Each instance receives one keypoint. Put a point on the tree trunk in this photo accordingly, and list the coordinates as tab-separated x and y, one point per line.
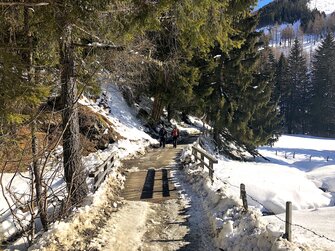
157	109
36	172
40	192
169	112
75	175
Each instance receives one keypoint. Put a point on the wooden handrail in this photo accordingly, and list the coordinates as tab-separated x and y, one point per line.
101	171
207	155
203	154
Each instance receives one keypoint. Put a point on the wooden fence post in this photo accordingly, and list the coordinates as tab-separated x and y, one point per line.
243	195
288	222
202	161
211	171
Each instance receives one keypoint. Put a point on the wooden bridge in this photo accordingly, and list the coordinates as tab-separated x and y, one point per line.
148	178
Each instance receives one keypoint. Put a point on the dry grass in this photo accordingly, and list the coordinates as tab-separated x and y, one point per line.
15	151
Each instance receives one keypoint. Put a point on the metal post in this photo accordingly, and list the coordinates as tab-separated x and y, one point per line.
288	222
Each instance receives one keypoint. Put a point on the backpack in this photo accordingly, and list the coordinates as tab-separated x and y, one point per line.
175	132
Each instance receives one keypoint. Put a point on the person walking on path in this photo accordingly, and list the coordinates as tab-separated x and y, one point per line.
162	136
175	136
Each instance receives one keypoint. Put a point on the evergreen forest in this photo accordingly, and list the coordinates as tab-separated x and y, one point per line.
193	57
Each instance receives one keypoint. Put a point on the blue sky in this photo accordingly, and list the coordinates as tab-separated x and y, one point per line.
261	3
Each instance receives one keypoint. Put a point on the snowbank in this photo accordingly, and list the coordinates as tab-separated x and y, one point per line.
301	170
233	228
70	234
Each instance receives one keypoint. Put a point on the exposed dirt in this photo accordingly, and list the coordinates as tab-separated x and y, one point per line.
15	149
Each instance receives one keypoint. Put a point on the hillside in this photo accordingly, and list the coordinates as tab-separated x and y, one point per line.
326	6
131	125
213	208
283	11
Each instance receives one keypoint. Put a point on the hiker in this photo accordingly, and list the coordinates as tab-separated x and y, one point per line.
162	136
175	135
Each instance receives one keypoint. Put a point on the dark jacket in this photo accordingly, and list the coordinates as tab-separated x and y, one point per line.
162	133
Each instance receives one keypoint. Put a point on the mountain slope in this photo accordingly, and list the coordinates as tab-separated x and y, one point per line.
290	11
284	12
327	6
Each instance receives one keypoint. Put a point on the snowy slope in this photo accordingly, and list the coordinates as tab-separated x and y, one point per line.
298	167
134	141
328	6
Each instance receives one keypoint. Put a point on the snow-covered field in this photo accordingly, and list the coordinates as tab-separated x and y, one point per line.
299	166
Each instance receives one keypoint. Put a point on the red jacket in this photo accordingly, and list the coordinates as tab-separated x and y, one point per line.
175	132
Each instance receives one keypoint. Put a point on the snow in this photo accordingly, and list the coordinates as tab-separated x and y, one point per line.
327	6
133	141
299	165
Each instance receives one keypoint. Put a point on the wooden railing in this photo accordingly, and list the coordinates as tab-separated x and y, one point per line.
101	171
201	155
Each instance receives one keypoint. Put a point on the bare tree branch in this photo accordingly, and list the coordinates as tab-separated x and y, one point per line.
23	4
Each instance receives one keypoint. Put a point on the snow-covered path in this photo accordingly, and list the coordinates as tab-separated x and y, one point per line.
165	219
173	221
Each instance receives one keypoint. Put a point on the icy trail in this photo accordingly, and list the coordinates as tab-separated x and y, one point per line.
147	217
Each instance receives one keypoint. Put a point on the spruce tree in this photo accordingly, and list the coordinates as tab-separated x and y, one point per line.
266	121
281	90
297	90
241	96
323	89
19	92
189	30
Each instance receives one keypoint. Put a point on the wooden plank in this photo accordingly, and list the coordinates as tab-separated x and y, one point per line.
100	178
208	156
101	171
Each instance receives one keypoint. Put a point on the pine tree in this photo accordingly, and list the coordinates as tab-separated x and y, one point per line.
69	14
266	121
323	89
241	97
297	89
190	29
18	91
281	89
